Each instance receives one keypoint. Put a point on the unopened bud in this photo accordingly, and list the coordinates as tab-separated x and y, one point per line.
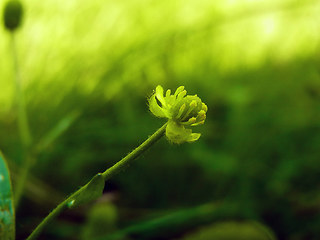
12	14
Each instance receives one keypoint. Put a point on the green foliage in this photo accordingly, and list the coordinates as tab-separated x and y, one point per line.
101	221
7	218
171	222
232	231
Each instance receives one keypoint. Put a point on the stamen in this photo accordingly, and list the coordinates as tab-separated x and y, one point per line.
168	92
181	95
190	109
201	115
197	123
179	89
192	120
193	103
181	110
204	107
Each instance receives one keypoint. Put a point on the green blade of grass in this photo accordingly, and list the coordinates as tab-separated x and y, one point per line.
57	131
7	219
175	222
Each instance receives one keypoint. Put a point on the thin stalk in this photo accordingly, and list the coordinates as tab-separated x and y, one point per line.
23	124
134	154
22	178
124	162
22	115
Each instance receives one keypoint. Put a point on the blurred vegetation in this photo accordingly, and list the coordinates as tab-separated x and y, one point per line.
87	68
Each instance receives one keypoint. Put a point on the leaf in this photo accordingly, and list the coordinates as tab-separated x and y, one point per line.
7	219
89	192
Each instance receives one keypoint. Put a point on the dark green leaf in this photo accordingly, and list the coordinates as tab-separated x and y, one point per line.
7	219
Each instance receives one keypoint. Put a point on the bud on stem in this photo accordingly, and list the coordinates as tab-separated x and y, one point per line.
12	15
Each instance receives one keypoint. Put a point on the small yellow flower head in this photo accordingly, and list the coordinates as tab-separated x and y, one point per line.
181	110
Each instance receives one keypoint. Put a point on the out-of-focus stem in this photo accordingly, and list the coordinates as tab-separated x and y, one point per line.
23	125
22	115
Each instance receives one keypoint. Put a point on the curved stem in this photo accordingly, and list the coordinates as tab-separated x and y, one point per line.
62	206
124	162
134	154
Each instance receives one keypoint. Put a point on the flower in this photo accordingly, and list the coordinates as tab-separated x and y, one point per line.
181	110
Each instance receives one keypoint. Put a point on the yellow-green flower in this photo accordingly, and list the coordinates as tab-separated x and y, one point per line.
181	110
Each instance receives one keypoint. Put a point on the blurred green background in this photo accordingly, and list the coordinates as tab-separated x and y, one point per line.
88	66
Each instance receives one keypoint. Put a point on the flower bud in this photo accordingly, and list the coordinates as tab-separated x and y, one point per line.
12	14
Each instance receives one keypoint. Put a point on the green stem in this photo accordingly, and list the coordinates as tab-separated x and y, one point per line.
124	162
134	154
22	125
22	115
23	176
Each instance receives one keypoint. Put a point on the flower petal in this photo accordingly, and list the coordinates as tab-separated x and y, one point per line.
177	133
159	95
193	137
155	108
